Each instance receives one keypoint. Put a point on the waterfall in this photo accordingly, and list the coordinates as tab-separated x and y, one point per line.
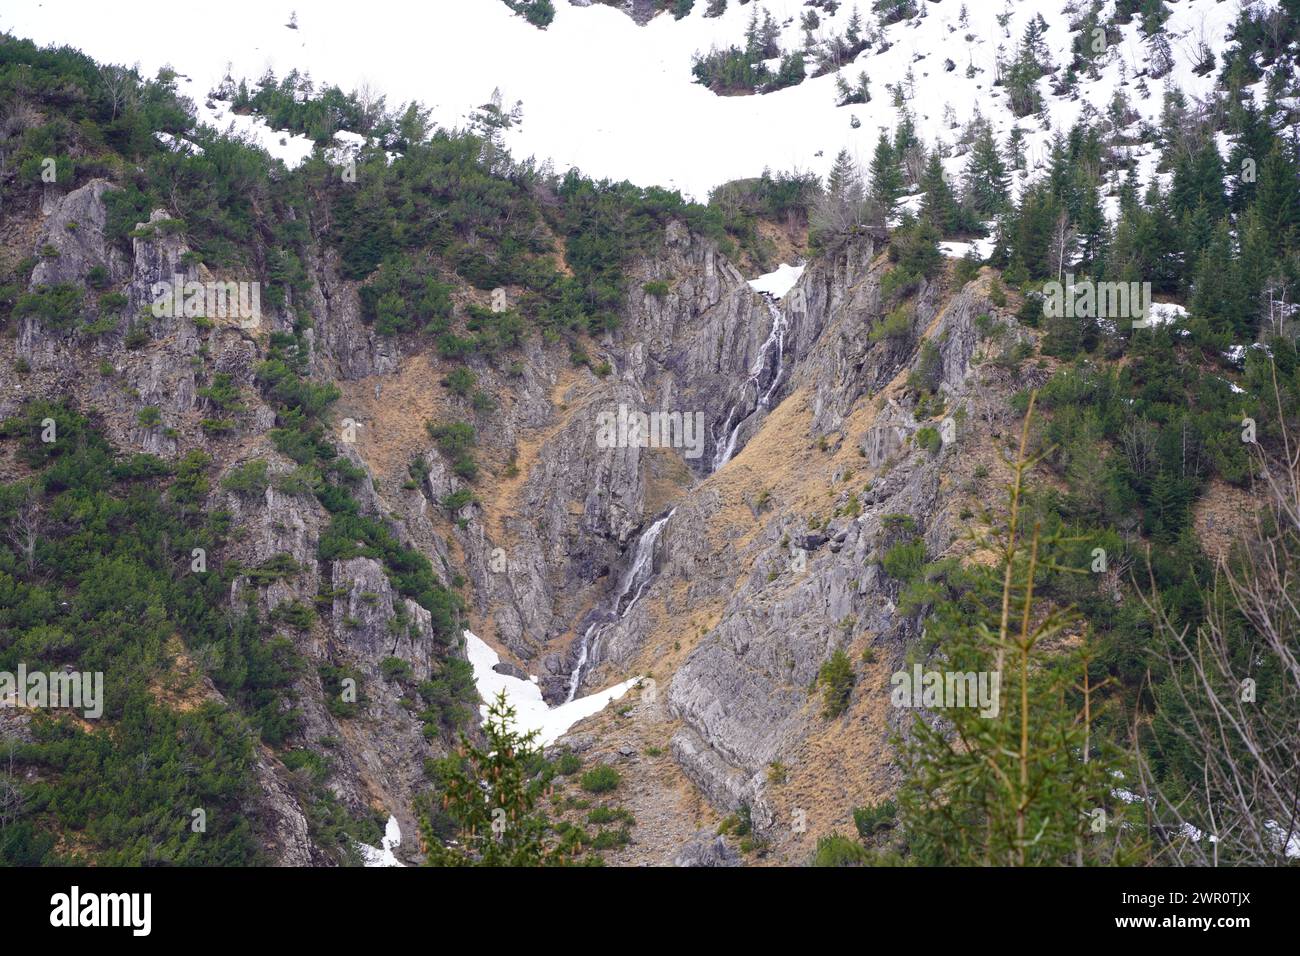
764	378
636	576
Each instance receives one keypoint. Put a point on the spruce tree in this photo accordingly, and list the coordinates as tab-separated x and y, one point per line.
886	177
1217	294
1278	199
490	801
986	175
1032	783
1254	141
841	210
939	205
1091	223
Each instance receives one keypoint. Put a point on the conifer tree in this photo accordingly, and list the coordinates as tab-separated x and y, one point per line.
886	177
1217	294
854	31
986	175
1030	784
1092	227
842	208
1278	199
490	800
939	205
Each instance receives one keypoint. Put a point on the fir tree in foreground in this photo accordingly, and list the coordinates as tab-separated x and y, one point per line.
1030	784
490	801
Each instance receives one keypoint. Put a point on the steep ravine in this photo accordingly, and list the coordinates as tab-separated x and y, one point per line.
724	578
731	634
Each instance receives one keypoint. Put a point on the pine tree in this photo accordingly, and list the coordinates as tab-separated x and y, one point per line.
490	801
854	31
1091	223
753	43
904	136
1217	295
768	35
1030	783
842	208
986	175
886	177
1022	75
808	22
939	205
1198	178
1278	199
1254	142
1060	177
1036	217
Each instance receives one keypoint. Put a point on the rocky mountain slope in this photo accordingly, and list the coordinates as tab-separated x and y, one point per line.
409	455
731	633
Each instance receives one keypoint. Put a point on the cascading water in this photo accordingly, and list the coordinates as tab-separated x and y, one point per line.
636	576
764	378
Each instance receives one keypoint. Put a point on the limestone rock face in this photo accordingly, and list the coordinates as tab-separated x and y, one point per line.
74	231
769	524
707	849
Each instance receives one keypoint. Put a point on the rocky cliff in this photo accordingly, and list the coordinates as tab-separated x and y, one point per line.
768	561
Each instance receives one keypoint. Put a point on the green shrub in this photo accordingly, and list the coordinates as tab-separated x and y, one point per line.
895	328
395	669
929	438
113	302
602	815
836	678
294	614
611	839
460	381
568	763
836	850
875	817
905	559
455	500
250	478
600	779
928	373
56	306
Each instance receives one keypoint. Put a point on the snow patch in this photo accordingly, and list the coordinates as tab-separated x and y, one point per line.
1164	313
382	855
531	711
778	283
983	248
289	148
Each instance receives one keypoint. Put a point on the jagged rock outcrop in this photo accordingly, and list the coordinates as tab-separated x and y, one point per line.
707	849
72	239
553	536
121	361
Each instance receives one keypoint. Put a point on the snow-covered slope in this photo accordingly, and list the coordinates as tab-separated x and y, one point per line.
617	99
